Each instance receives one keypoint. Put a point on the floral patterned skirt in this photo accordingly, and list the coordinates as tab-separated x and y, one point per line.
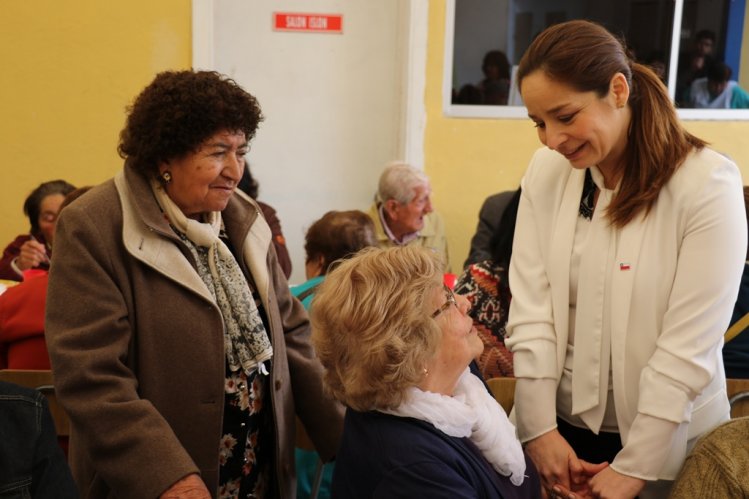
246	449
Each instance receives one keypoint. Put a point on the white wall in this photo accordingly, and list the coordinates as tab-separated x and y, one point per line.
334	103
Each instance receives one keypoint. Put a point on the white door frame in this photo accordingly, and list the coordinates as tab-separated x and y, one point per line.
414	110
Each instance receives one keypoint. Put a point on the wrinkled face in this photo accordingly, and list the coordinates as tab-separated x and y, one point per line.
49	208
409	217
204	180
585	128
460	341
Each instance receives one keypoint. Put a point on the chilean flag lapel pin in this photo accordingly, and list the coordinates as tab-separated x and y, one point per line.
623	266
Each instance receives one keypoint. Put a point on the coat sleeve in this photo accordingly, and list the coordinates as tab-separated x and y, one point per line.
321	415
89	334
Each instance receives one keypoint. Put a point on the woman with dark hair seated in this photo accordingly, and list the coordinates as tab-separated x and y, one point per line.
33	250
335	236
396	345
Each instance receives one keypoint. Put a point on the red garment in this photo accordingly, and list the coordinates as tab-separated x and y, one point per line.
12	251
22	344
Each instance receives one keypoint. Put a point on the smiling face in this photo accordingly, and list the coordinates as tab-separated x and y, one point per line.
204	180
587	129
405	218
460	341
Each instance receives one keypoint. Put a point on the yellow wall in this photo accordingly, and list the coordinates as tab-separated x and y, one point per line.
69	69
468	159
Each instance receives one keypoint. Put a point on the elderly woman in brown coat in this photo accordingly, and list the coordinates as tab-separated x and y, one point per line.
177	349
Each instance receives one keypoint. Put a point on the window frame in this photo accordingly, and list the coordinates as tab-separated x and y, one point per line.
519	112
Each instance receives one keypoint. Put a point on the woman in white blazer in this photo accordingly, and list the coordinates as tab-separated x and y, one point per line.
629	247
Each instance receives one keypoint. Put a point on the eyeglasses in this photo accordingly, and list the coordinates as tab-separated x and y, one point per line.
450	301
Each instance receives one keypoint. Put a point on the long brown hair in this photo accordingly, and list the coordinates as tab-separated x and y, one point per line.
585	56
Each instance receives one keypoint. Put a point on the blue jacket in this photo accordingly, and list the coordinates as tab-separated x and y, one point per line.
31	461
384	456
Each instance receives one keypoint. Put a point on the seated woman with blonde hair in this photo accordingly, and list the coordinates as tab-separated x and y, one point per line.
396	345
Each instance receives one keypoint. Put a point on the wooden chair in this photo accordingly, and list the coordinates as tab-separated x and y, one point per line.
738	396
42	381
503	390
305	443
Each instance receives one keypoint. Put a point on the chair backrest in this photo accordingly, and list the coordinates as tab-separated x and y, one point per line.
42	381
738	396
503	390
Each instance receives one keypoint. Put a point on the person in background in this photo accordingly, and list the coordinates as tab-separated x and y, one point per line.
656	60
178	352
485	285
489	216
22	344
718	466
33	250
250	186
736	348
403	214
396	345
629	244
495	87
694	63
337	235
717	90
31	462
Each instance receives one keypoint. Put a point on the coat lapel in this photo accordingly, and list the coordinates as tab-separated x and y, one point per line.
626	266
559	258
152	248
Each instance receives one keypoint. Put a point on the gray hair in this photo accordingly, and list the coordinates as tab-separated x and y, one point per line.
398	181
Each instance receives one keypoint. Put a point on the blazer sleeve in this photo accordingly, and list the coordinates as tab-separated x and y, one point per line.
531	335
699	306
697	311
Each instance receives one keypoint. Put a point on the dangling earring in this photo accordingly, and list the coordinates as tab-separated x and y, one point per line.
166	177
426	372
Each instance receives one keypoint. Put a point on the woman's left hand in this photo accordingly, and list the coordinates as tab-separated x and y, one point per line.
612	484
580	475
605	483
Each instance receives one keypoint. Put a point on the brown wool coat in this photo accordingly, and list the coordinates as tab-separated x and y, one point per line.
137	347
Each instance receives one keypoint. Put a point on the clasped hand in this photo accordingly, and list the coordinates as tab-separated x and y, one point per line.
564	475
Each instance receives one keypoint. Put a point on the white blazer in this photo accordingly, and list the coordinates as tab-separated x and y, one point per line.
676	278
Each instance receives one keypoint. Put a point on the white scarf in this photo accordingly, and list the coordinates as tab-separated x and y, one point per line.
470	413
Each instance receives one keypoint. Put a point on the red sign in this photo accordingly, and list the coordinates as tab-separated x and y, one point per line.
318	23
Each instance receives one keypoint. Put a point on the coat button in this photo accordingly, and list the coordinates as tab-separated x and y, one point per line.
278	384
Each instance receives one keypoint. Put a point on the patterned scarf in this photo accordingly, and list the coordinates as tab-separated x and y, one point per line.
245	338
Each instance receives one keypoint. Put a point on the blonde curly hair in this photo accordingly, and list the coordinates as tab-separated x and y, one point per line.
371	325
